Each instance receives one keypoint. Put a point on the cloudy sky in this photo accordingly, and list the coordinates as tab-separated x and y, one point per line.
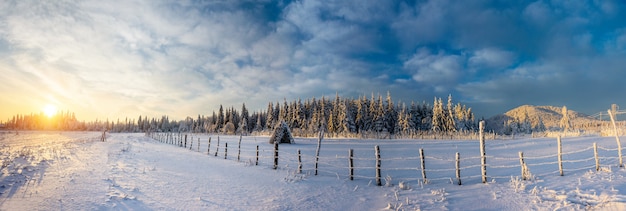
110	59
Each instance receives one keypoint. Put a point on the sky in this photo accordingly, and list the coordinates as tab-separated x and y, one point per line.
113	59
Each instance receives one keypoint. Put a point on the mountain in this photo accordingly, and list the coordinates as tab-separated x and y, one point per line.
549	116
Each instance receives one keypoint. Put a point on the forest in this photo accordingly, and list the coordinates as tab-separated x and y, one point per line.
376	116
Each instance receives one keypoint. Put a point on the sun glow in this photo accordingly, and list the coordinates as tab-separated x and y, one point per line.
50	110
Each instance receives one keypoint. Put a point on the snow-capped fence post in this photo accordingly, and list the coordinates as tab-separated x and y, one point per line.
257	156
208	150
225	150
351	163
190	144
377	149
275	154
595	155
317	151
239	148
299	162
483	158
619	144
559	154
423	164
458	168
218	146
185	141
104	136
522	165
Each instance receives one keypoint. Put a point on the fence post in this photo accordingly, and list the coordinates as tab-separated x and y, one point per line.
208	150
351	163
619	144
560	155
458	168
595	154
226	150
190	143
423	164
377	149
257	156
239	149
218	146
483	158
299	162
198	144
522	165
275	154
317	151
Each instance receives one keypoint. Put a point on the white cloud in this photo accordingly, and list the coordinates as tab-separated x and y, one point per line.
538	13
491	58
435	69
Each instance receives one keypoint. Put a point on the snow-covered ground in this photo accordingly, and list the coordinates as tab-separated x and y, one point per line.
75	171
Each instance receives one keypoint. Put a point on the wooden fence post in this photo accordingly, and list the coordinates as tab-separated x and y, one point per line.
458	168
198	144
257	155
522	165
239	148
377	149
619	144
226	150
560	154
595	154
208	149
351	163
423	165
190	143
483	158
218	146
317	151
275	154
299	162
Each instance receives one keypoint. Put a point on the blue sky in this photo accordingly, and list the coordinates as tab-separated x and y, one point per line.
110	59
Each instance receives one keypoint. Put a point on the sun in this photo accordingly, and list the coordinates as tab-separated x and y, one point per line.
50	110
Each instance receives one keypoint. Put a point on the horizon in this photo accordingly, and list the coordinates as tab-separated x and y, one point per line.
112	60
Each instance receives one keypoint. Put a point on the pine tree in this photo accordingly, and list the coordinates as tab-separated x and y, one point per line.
565	123
390	115
270	116
349	122
245	116
438	116
449	116
220	119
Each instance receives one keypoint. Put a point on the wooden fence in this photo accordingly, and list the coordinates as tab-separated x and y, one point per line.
427	169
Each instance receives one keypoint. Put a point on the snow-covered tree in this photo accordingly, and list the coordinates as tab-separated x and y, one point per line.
438	117
565	124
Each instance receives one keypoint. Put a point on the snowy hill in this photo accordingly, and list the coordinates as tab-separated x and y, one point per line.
550	116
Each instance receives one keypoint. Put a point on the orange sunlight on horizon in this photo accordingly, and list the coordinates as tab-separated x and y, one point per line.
50	110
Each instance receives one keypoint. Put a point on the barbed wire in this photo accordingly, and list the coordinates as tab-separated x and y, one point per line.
338	166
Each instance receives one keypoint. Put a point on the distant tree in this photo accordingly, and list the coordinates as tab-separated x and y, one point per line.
438	116
220	118
540	127
565	122
229	129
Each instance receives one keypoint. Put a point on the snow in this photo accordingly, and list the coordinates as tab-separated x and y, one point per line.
75	171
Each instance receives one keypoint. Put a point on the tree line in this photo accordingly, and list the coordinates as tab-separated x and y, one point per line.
374	116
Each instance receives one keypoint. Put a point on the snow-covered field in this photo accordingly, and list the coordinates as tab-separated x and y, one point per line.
75	171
